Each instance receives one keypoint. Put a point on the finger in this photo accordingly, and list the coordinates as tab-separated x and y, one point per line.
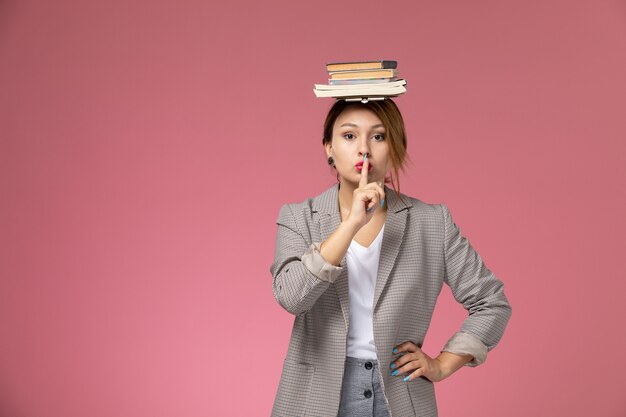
379	189
364	169
416	374
404	363
407	346
371	198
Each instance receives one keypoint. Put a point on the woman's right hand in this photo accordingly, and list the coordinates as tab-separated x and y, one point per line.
367	196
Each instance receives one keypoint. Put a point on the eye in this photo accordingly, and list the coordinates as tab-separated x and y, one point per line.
381	136
348	134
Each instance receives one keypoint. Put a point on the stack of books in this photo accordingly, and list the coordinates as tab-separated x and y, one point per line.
361	81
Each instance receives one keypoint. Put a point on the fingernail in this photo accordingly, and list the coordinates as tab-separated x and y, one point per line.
395	372
407	378
393	365
364	157
382	202
394	350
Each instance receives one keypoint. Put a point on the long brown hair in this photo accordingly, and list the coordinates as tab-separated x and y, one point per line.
389	114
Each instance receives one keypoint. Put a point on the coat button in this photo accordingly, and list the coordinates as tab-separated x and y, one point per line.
367	393
368	365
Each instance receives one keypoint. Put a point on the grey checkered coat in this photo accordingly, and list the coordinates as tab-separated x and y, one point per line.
422	248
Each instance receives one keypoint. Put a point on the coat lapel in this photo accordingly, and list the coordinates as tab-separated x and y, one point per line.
327	206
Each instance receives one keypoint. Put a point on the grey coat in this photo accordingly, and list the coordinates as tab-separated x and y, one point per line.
422	248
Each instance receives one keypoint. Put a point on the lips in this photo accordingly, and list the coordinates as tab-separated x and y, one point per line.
359	166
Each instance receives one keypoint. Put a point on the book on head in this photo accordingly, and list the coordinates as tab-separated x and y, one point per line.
361	65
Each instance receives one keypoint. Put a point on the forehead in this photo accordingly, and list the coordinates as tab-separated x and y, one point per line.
359	116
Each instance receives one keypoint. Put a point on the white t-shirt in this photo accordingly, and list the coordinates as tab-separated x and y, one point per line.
362	265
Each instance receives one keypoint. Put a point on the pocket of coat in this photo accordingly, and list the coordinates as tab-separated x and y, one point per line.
293	389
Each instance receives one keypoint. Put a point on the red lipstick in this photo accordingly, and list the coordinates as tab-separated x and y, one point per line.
359	166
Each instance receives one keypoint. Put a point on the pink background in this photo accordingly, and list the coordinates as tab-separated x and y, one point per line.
147	146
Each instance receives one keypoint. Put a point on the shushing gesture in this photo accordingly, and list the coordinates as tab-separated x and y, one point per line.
367	198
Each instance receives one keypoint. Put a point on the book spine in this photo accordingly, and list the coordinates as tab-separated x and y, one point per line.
363	74
362	81
360	65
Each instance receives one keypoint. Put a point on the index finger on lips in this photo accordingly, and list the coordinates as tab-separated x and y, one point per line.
364	169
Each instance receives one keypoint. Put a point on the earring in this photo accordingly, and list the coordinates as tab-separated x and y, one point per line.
331	162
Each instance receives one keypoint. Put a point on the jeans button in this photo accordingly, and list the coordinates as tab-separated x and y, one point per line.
367	393
368	365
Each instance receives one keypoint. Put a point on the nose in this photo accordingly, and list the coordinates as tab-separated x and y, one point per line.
364	150
364	146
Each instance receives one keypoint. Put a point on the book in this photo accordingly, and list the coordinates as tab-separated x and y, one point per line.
360	65
364	74
371	91
362	81
360	86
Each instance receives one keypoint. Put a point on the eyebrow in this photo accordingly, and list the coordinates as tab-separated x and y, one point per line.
353	125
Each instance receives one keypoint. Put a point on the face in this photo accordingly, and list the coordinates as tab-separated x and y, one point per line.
358	131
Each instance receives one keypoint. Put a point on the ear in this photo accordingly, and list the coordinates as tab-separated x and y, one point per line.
329	149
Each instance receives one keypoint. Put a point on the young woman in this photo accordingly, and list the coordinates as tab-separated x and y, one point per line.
360	266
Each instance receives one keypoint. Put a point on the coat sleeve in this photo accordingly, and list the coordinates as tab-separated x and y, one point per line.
479	291
300	274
